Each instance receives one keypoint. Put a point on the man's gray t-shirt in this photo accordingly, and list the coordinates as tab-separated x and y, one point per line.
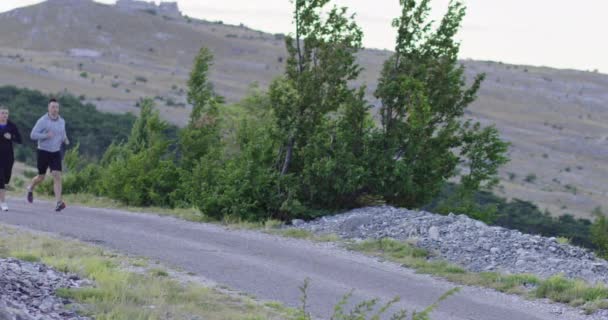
41	129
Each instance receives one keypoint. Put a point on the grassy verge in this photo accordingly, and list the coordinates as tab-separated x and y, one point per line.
559	289
577	293
88	200
192	214
123	294
304	234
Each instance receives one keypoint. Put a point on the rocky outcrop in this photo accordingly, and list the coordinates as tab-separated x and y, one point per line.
467	242
27	292
168	9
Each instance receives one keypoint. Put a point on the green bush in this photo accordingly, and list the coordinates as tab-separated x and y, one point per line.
140	173
599	234
243	186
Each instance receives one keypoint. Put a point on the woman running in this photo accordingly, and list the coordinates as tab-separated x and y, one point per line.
8	135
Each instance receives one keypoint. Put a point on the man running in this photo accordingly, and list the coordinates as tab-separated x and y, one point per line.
8	135
50	133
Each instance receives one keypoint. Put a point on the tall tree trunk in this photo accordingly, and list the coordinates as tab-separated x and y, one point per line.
288	156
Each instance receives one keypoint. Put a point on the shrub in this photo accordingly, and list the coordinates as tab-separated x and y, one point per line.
599	234
368	309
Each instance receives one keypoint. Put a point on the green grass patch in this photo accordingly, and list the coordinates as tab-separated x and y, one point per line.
88	200
577	293
26	256
561	289
238	223
305	234
297	233
158	272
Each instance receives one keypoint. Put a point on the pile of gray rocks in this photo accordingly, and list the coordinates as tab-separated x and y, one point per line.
27	292
466	242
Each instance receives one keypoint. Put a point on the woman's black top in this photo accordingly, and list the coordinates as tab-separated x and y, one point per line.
6	145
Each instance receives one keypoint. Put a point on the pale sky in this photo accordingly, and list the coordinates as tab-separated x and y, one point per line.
554	33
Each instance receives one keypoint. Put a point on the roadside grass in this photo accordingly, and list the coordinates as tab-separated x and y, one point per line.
269	226
304	234
369	309
577	293
121	294
89	200
563	240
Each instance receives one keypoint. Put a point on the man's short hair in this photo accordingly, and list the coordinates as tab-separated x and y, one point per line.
52	100
3	107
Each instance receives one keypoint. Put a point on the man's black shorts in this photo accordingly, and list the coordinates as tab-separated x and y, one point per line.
48	160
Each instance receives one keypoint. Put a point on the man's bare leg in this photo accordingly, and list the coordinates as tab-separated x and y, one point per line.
57	187
36	181
30	189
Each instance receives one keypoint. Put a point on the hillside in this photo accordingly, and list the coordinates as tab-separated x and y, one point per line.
556	119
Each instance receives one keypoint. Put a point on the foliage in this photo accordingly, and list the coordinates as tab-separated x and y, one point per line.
599	233
311	145
202	133
368	309
140	173
423	95
321	61
515	214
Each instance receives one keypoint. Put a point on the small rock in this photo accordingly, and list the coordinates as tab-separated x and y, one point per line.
297	222
434	233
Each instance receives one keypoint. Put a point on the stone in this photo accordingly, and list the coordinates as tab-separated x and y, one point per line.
297	222
434	233
27	291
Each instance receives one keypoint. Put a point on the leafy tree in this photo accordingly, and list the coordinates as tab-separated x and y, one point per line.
140	172
321	61
242	186
423	139
336	170
599	233
202	133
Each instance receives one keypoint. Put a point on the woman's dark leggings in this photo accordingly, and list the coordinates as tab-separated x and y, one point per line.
6	169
